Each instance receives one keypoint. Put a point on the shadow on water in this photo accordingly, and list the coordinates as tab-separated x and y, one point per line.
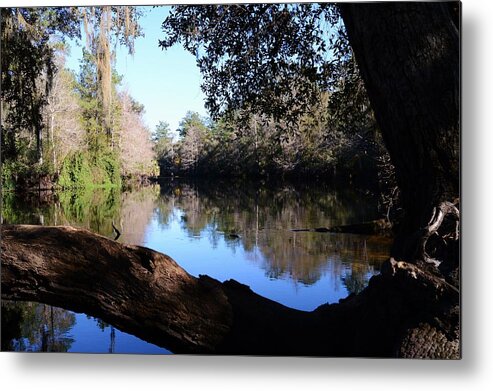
240	230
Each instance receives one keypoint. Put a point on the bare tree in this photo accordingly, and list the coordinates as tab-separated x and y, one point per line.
65	132
135	145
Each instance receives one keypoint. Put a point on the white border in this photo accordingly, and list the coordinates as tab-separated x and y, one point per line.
474	372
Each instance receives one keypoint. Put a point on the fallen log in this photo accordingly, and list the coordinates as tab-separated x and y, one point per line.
374	227
404	312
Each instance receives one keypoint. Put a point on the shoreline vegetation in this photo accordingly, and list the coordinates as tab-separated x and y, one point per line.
76	129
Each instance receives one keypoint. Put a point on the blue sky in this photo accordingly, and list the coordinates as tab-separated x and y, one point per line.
166	82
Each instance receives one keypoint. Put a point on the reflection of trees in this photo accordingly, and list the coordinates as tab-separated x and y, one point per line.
37	327
31	208
136	211
306	256
103	325
263	217
356	282
255	216
94	209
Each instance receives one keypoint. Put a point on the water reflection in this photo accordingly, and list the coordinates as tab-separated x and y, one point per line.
260	219
226	230
33	327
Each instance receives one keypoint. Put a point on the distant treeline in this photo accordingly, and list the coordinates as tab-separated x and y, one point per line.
243	145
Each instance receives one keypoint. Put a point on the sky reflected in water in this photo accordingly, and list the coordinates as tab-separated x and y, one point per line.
226	230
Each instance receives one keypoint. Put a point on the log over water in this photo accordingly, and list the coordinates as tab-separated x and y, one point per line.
404	312
374	227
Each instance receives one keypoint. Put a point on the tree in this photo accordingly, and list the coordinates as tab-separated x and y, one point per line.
409	54
191	120
92	110
162	131
164	146
27	53
193	144
104	27
409	58
35	85
65	132
135	145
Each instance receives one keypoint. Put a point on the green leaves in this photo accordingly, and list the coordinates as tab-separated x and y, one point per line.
26	54
266	56
86	170
192	120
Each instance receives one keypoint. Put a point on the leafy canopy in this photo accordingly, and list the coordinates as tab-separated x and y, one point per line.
27	40
191	121
269	58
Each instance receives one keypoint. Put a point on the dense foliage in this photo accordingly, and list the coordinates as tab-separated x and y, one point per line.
27	37
253	53
283	88
271	59
230	147
61	128
289	103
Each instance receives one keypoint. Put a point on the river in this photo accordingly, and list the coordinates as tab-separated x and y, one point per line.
238	230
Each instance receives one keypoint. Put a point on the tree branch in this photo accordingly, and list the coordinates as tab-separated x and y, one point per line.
146	293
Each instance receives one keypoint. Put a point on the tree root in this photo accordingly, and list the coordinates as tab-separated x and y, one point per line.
117	232
439	213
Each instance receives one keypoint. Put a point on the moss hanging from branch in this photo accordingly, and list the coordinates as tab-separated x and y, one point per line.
27	55
103	66
104	26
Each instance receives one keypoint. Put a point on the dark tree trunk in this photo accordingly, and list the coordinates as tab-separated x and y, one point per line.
408	55
404	312
39	144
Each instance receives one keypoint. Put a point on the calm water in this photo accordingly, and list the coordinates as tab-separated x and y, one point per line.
226	230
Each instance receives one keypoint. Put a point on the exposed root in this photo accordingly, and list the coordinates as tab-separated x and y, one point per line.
117	232
439	213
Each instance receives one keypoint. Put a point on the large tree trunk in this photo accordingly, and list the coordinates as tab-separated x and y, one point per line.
409	55
404	312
